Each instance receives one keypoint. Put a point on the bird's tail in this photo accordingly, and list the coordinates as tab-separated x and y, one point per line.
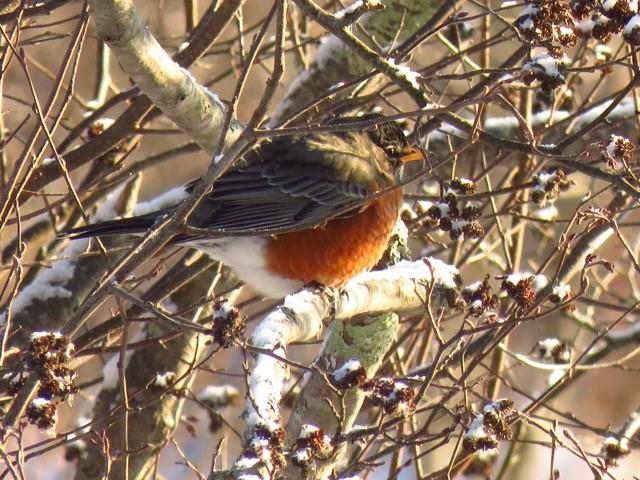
113	227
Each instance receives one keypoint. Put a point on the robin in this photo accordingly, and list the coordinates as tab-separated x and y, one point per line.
318	207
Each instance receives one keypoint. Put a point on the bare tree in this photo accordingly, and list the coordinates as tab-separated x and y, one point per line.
497	336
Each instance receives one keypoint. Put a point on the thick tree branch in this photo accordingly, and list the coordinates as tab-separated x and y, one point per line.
196	110
208	30
404	287
50	299
336	63
157	405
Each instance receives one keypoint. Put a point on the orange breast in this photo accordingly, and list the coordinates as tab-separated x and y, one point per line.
337	251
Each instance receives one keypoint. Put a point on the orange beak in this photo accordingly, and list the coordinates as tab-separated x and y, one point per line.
411	155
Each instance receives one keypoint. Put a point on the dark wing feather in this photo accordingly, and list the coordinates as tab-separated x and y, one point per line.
239	203
285	185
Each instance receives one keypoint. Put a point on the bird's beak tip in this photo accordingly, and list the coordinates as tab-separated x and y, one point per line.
411	155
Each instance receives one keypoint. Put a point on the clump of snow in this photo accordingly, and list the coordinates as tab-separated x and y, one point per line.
444	275
163	380
548	184
347	369
547	67
405	72
43	413
301	456
166	200
488	427
311	443
224	309
44	333
632	25
443	209
613	441
553	349
631	5
267	381
562	290
614	449
348	10
473	287
218	395
539	281
603	52
457	226
617	151
609	4
476	429
423	206
245	462
49	283
307	430
40	403
547	213
549	64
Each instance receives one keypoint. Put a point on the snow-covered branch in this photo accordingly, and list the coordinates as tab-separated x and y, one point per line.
153	374
195	109
403	287
49	300
336	63
57	290
507	126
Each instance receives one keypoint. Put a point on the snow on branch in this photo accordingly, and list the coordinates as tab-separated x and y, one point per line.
68	279
46	304
402	287
406	286
196	110
154	375
615	448
352	12
335	63
507	126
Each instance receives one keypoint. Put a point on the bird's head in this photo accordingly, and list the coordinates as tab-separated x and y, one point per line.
390	137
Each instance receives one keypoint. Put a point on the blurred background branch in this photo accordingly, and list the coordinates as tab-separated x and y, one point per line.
527	116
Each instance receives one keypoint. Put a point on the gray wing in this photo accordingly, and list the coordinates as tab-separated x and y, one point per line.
266	198
285	185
